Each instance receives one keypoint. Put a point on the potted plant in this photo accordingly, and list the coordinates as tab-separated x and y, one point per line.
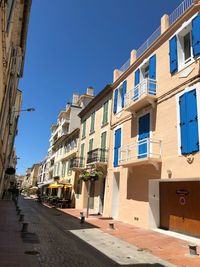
91	175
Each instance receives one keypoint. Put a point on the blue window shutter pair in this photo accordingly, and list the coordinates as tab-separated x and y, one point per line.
152	75
196	35
124	85
173	55
117	146
189	123
115	100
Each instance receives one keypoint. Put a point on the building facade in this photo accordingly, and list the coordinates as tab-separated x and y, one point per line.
154	154
14	15
63	145
93	151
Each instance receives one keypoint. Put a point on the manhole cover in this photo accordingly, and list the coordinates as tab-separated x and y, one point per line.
31	252
57	214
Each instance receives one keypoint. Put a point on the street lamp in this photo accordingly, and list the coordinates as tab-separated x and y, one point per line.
28	110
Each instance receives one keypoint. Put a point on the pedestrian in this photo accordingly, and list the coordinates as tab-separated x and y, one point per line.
4	193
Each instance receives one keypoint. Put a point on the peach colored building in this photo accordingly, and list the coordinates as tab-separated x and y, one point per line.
93	151
154	160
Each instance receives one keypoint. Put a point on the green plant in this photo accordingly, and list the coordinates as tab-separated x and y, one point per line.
91	175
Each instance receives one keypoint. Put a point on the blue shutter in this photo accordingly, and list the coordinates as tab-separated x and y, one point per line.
192	121
117	146
152	75
183	124
137	81
173	55
189	123
115	101
144	133
123	92
196	35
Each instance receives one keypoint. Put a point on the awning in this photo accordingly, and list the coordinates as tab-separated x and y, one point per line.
56	185
67	186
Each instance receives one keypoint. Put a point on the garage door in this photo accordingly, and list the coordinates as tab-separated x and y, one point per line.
180	207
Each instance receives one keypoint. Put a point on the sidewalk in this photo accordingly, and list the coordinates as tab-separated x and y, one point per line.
12	248
168	248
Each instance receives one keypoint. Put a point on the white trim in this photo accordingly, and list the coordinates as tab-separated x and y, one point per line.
185	24
187	89
118	87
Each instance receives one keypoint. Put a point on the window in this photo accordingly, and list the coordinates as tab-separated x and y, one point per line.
58	169
103	147
90	144
185	45
189	133
82	155
83	128
145	70
63	169
119	94
9	9
92	122
105	113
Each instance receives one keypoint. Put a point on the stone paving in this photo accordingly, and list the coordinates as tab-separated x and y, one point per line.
12	248
168	248
60	240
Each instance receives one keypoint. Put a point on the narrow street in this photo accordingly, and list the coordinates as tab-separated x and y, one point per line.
55	244
58	239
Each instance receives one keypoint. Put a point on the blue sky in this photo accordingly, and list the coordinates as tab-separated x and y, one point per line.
73	45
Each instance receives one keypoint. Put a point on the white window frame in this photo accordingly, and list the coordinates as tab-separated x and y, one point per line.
187	89
180	53
119	103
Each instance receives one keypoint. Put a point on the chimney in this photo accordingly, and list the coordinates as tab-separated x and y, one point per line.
75	99
90	91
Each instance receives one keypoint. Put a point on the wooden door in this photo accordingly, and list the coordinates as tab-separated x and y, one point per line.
180	207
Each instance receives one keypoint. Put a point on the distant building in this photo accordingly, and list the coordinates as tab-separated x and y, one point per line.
63	143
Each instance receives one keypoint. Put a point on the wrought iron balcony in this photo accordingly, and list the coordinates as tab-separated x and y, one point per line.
142	94
78	162
98	155
146	151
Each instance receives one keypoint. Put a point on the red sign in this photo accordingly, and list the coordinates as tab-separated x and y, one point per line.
182	200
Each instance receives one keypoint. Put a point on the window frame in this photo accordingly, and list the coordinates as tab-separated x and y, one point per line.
178	34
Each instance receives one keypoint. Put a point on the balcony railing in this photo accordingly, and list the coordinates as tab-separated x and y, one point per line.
78	162
146	87
180	10
144	149
98	155
154	36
